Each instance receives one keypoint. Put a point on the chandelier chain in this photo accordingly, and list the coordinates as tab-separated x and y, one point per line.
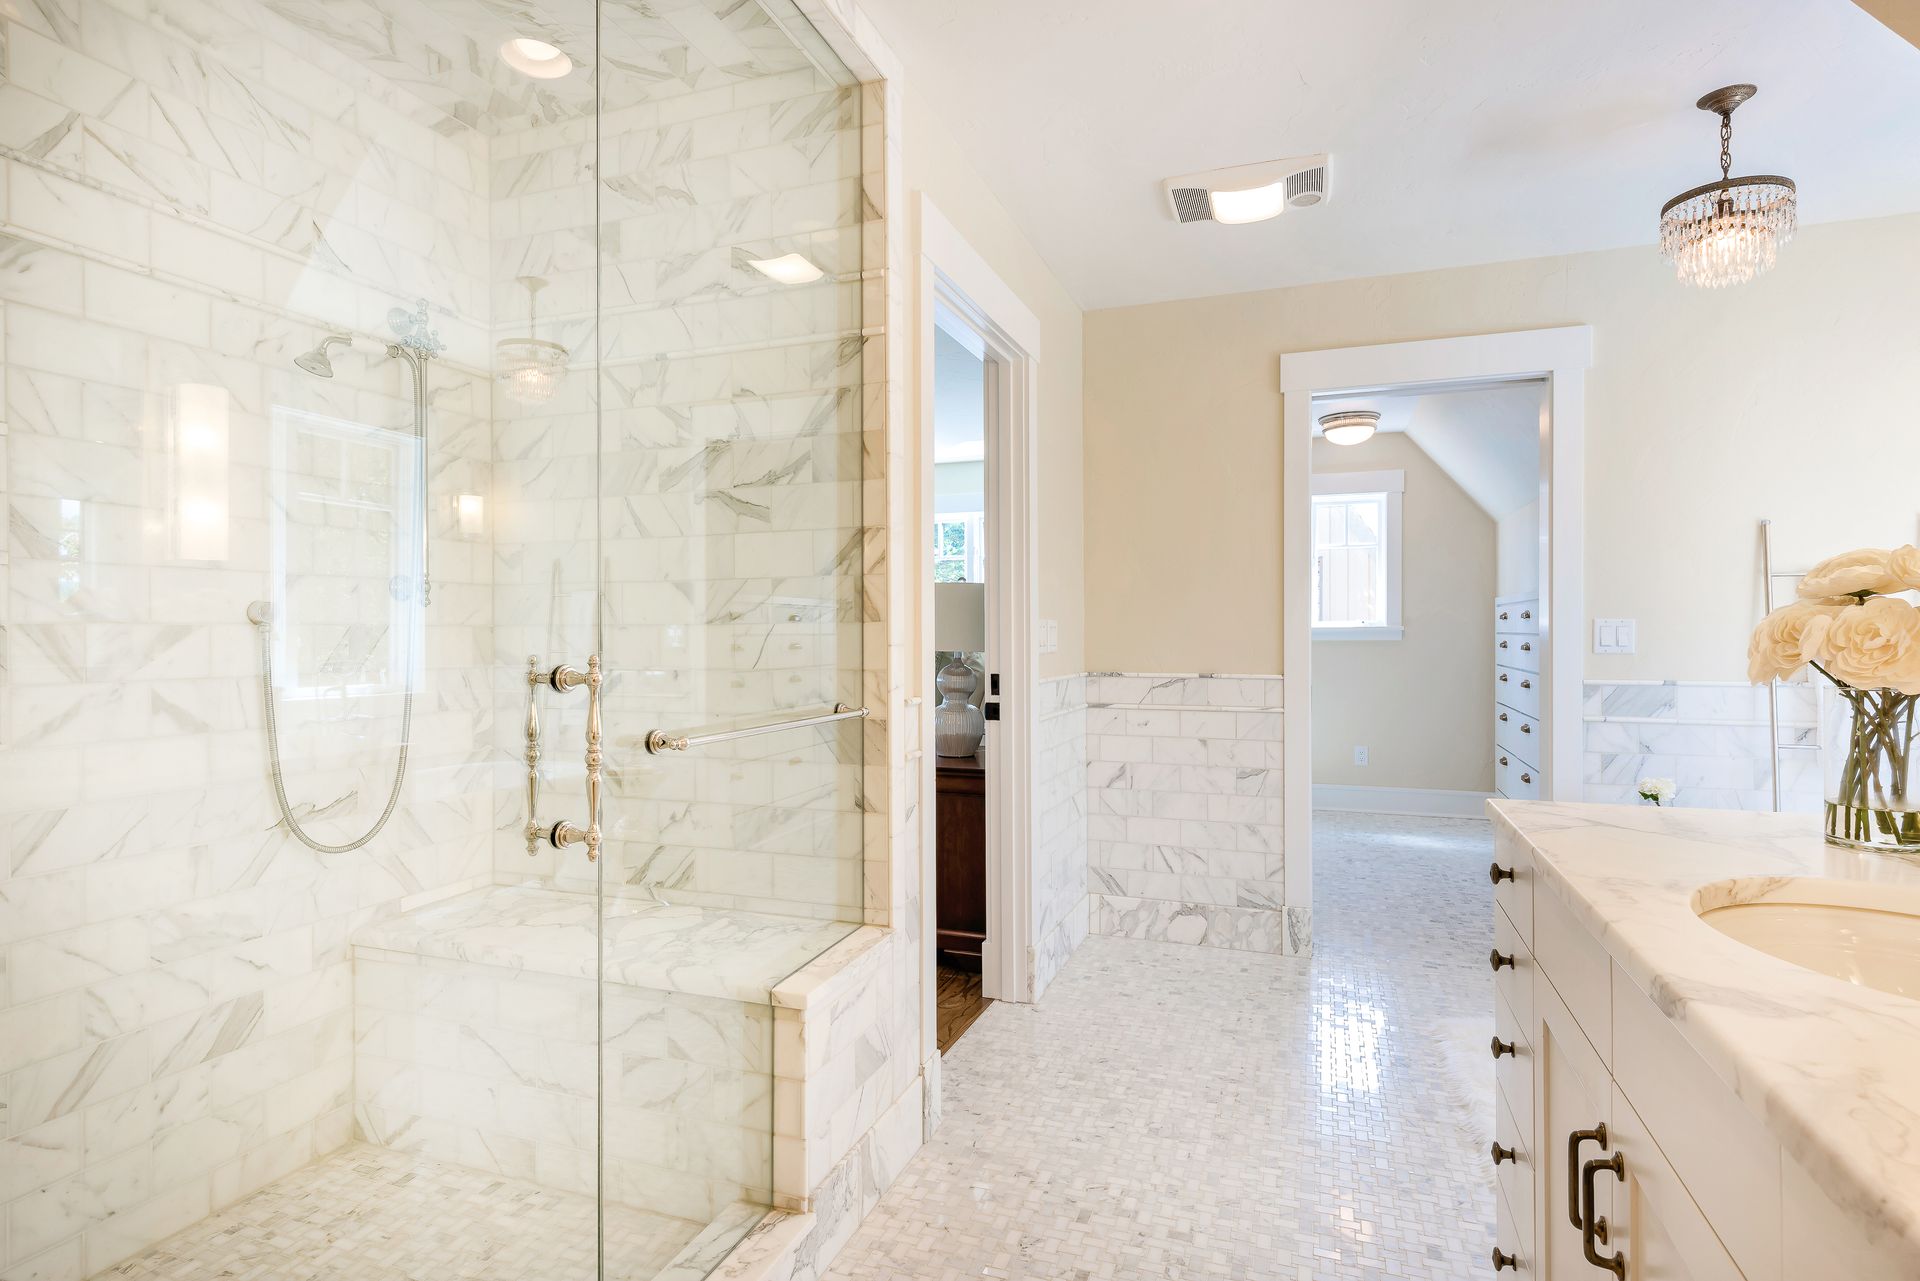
1726	145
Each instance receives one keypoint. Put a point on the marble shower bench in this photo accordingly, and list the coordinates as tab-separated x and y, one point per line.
477	1040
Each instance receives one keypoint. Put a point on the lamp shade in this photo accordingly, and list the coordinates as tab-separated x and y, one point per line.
960	617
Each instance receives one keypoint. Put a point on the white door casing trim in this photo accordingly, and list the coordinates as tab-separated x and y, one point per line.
951	274
1560	355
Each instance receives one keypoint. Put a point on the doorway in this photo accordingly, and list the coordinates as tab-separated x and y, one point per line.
1426	582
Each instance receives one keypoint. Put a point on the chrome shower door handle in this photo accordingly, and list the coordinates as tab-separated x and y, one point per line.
565	834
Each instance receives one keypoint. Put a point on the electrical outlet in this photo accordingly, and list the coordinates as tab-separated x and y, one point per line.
1359	756
1613	635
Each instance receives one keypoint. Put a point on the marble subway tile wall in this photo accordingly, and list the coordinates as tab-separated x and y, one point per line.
1710	738
731	484
1184	836
196	193
1061	908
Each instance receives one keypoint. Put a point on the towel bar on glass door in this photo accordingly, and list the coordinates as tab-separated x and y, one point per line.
659	740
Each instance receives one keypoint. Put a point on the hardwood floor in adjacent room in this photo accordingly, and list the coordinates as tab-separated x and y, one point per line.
960	1004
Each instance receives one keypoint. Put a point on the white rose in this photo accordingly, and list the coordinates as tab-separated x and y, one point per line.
1787	638
1904	564
1866	570
1657	790
1874	645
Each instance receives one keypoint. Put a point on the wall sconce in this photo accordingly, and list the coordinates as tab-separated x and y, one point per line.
472	510
201	437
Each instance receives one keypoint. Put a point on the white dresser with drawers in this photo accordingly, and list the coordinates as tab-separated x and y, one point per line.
1517	734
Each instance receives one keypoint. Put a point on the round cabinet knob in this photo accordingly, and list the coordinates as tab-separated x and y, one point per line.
1503	760
1526	645
1503	716
1501	1259
1503	644
1523	684
1503	677
1499	960
1503	1049
1524	727
1526	778
1503	1154
1497	874
1503	614
1526	613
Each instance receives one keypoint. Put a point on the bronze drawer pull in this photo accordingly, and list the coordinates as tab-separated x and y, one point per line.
1504	1154
1598	1134
1503	644
1497	874
1526	778
1503	716
1503	614
1503	760
1503	676
1501	1259
1526	645
1523	684
1499	960
1524	727
1503	1049
1595	1229
1526	613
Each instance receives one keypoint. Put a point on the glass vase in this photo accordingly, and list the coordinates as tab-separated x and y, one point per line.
1869	759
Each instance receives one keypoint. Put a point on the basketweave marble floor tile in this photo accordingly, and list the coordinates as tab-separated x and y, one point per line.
1170	1112
365	1213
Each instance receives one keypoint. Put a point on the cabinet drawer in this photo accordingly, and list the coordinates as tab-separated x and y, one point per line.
1515	777
1727	1161
1516	615
1514	897
1515	1177
1513	1073
1515	650
1507	1233
1513	982
1518	688
1516	734
1579	969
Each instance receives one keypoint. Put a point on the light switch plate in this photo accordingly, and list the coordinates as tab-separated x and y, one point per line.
1613	635
1049	636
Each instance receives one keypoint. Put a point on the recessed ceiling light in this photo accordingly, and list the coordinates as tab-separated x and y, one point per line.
535	58
1256	204
788	269
1349	426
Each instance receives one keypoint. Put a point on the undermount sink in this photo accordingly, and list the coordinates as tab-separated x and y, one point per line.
1854	931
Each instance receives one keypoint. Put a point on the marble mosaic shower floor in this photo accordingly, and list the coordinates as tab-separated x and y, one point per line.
1173	1112
367	1213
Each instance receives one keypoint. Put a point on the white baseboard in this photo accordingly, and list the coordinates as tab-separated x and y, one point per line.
1429	801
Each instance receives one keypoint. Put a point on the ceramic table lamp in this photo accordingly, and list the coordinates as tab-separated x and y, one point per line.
960	626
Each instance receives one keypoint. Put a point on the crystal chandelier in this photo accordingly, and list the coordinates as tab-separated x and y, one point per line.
529	369
1727	232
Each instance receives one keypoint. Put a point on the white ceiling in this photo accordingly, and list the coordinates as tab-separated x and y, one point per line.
1461	132
1487	438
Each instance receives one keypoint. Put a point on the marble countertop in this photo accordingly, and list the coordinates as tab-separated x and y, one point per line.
1831	1069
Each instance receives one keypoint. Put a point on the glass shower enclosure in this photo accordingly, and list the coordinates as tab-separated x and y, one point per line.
430	705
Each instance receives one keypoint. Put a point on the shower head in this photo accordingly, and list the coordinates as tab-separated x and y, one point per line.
316	362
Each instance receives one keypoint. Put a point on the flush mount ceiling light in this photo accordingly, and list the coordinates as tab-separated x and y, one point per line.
1727	232
535	58
1248	193
1349	426
788	269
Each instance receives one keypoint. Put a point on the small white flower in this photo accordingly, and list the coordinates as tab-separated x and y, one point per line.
1657	790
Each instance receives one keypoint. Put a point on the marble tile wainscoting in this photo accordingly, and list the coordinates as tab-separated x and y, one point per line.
1709	737
1060	914
1184	835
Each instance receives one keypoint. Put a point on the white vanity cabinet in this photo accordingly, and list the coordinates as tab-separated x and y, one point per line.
1618	1151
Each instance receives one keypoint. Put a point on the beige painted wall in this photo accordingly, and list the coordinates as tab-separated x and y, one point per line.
1421	705
1516	556
934	164
1791	397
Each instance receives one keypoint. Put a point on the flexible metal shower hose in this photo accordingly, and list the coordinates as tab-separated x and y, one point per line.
273	750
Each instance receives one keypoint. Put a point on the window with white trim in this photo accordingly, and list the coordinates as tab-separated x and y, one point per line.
1356	555
959	547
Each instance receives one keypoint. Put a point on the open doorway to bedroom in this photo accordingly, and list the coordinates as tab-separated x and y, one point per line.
1426	587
